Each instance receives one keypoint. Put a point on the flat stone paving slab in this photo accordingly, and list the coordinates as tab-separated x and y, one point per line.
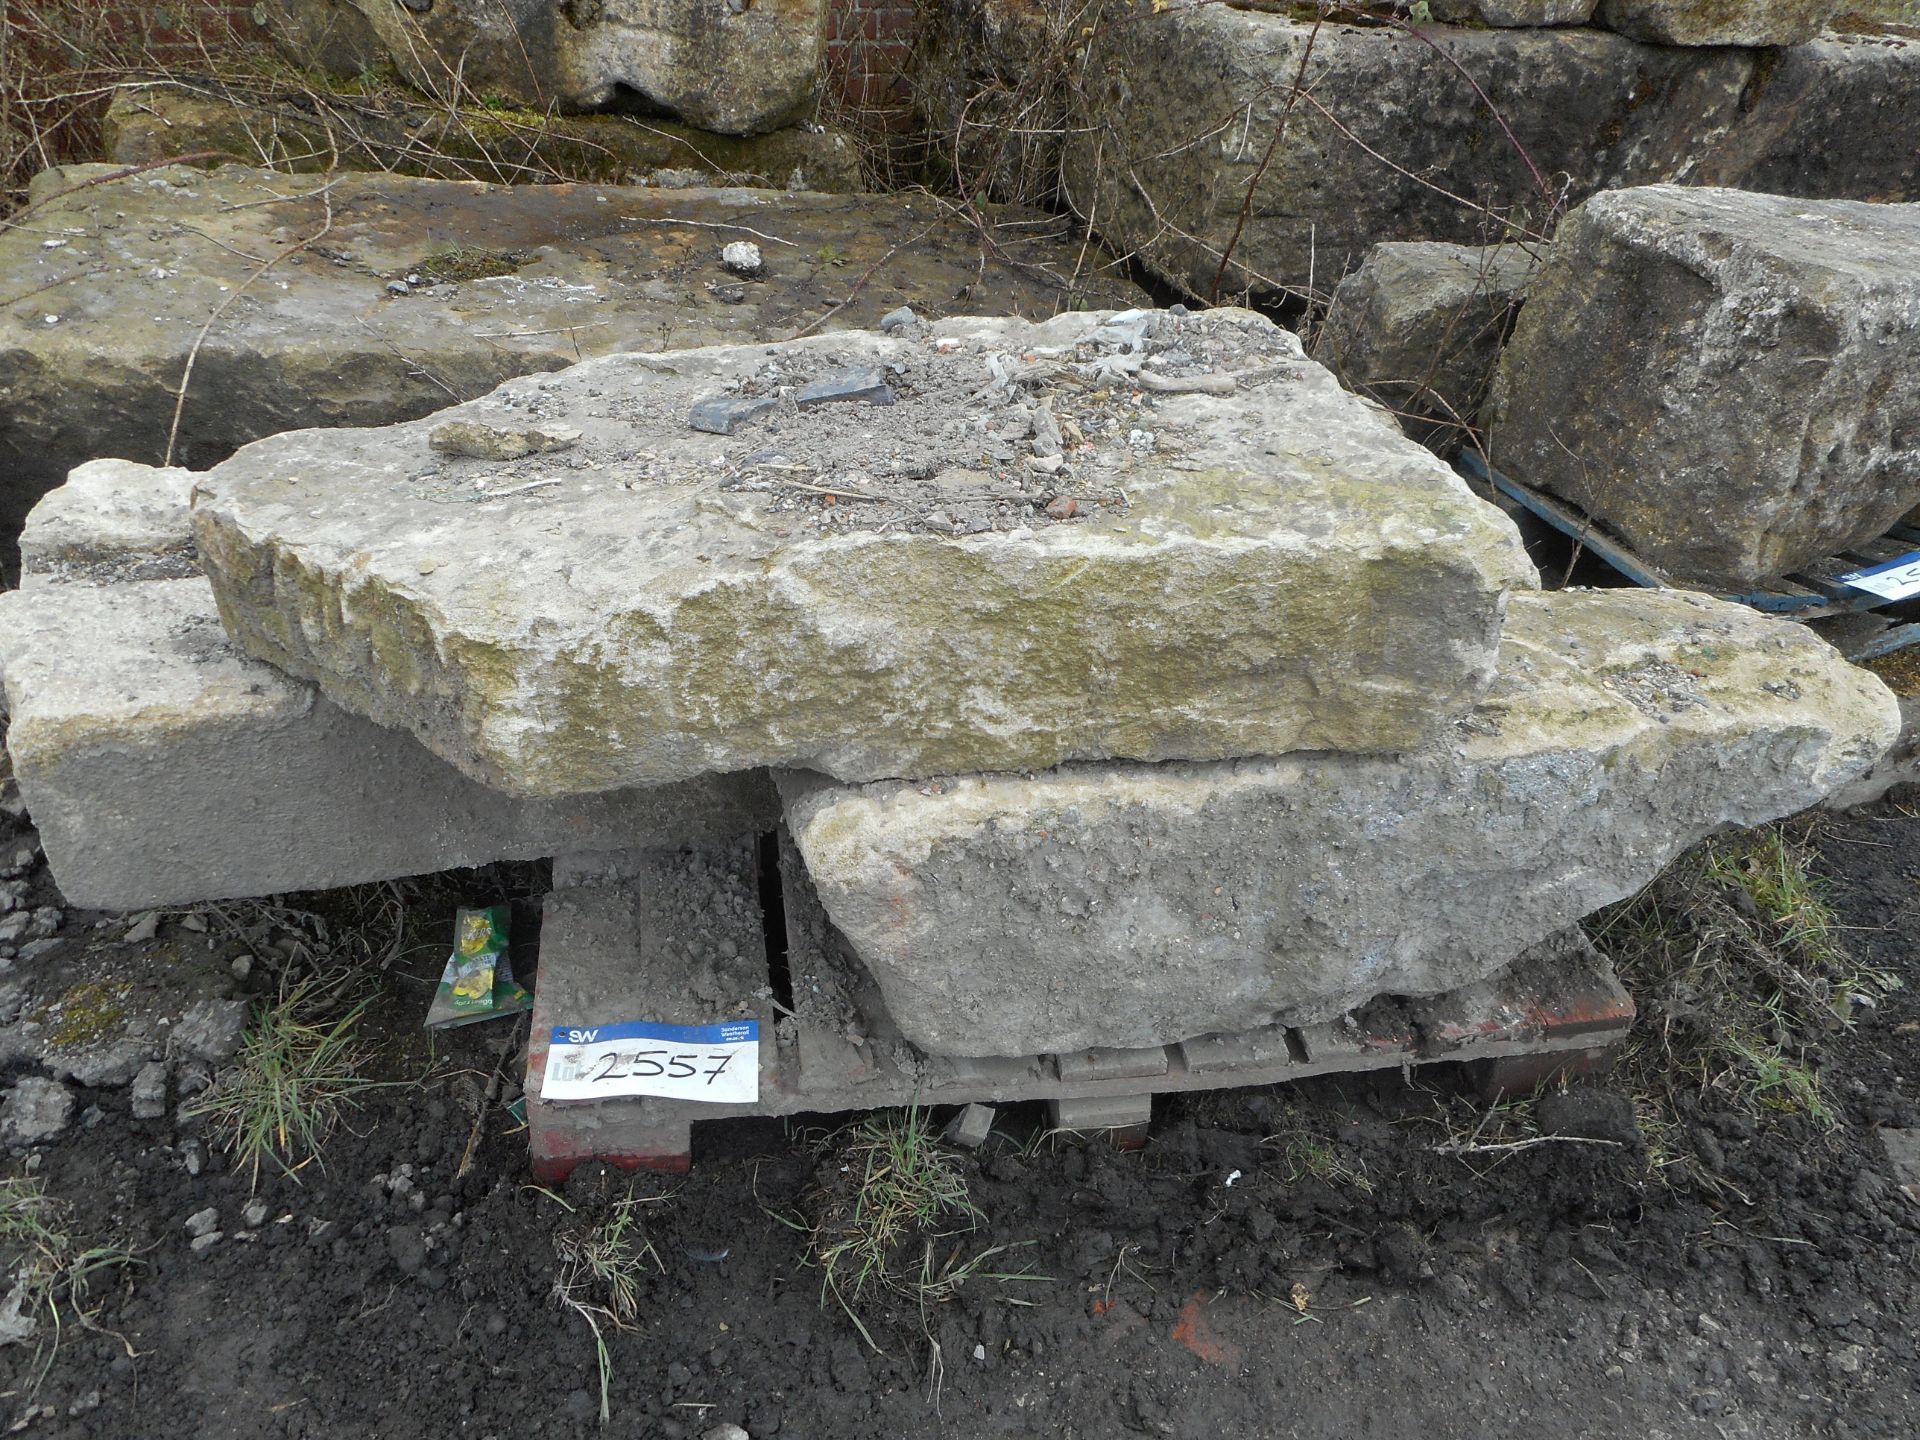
633	941
1232	556
1125	905
107	287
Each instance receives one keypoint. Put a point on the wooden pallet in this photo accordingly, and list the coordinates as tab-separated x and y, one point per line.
829	1047
1813	592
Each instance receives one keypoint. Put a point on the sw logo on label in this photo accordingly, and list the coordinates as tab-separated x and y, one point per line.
582	1037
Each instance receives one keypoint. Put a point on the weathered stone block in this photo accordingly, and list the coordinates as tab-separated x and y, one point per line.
1717	22
739	70
1190	149
1394	140
163	767
1263	570
1833	119
1124	905
89	365
1419	325
113	519
1729	382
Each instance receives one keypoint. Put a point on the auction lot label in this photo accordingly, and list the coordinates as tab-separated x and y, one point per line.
1895	580
716	1063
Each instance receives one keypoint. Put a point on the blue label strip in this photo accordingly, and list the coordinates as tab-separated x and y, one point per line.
734	1032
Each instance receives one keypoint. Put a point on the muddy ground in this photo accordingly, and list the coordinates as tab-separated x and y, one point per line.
1727	1276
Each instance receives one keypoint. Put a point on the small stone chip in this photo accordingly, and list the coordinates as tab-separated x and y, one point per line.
724	414
865	385
203	1222
744	259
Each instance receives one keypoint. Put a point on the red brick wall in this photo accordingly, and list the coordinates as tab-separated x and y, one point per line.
867	46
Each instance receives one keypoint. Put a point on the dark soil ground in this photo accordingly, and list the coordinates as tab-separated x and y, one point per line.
1720	1275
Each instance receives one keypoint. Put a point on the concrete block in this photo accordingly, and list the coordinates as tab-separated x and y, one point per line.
1106	1064
1101	1112
679	942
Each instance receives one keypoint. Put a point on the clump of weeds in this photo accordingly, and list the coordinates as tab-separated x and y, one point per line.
1309	1156
1740	970
884	1225
601	1266
48	1271
297	1071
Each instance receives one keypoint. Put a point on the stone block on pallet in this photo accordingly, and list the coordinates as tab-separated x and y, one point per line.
1120	905
1241	557
1729	382
1419	325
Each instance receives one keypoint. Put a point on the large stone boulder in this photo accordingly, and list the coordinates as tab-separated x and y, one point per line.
120	278
1718	22
1125	905
982	545
163	767
1190	147
1729	382
1395	138
739	68
1418	326
1833	119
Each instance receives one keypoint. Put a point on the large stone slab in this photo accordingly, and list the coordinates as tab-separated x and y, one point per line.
416	137
1832	119
1419	324
1730	382
1396	140
1180	152
163	767
1233	555
1718	22
736	69
1124	905
111	285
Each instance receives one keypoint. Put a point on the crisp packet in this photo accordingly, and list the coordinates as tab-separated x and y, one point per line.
478	982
